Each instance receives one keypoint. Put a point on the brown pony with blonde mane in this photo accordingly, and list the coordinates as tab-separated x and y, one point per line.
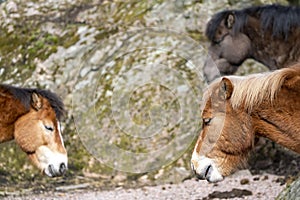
236	109
31	117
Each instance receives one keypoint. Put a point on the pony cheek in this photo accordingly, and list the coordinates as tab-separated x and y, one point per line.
27	141
240	47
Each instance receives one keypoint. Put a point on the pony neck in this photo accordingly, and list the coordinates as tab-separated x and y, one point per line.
11	109
279	121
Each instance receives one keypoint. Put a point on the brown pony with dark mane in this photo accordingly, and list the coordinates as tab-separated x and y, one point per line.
236	109
269	34
31	117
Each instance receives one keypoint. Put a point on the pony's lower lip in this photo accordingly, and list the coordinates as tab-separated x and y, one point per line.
200	177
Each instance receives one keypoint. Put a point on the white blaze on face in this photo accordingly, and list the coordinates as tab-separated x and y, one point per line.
59	132
52	162
205	168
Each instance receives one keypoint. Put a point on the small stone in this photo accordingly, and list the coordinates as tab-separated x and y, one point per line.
265	178
280	180
244	181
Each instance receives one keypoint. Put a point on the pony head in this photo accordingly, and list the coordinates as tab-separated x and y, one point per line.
38	133
224	141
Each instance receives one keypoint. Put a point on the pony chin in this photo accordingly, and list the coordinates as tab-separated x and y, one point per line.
51	163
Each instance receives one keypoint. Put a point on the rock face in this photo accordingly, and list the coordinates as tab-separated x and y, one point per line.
291	192
130	74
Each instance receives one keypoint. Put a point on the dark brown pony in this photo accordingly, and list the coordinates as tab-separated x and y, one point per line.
269	34
31	117
236	109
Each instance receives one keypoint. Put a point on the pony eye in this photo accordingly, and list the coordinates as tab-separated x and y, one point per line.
206	121
49	128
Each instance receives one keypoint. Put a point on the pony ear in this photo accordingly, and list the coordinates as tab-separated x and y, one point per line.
36	101
226	87
230	20
292	78
293	82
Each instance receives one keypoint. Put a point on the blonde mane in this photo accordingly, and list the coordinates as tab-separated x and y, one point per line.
251	90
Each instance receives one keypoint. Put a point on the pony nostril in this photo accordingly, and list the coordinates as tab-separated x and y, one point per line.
207	172
62	168
51	170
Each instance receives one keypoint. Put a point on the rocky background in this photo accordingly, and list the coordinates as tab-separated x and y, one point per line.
82	49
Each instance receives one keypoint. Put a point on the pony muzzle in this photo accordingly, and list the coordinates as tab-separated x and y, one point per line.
52	163
205	169
56	168
53	171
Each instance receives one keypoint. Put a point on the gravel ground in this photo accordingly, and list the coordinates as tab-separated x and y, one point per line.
241	185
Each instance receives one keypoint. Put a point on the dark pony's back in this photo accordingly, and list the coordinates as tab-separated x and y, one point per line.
277	18
268	34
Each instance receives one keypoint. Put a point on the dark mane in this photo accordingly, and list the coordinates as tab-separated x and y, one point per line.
277	18
24	96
